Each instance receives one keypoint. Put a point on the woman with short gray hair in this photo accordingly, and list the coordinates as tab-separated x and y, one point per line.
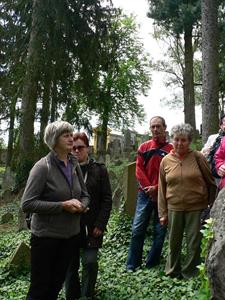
184	181
55	195
183	129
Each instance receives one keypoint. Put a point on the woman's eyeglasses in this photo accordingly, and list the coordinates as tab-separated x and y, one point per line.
79	148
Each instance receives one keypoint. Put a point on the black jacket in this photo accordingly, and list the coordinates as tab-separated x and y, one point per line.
99	189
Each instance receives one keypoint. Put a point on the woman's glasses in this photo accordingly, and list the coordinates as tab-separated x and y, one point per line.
79	148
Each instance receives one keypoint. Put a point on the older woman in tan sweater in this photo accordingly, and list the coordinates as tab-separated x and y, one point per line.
184	182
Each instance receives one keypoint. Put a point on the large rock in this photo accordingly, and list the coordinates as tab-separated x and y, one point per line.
8	180
215	262
20	259
6	218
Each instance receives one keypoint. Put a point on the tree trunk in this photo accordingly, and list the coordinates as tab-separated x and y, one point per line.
45	113
8	179
53	102
11	132
29	98
189	97
210	59
101	150
104	133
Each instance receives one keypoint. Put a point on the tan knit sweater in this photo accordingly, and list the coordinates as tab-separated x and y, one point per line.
182	186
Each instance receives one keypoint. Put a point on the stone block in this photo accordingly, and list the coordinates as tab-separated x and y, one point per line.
130	188
20	259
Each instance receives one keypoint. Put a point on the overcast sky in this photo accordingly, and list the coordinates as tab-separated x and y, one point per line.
158	91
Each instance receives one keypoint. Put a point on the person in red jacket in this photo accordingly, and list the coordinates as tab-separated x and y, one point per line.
148	161
219	158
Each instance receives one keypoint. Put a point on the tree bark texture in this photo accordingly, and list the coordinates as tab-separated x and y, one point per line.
45	112
29	99
189	96
210	59
11	132
54	101
30	83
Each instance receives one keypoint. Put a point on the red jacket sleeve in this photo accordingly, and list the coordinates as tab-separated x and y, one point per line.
220	155
141	172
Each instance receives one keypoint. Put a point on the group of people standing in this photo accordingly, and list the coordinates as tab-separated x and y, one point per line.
176	185
70	199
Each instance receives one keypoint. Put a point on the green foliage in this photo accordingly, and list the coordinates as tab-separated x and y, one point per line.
175	16
2	170
113	281
207	232
60	57
12	286
122	73
197	144
117	167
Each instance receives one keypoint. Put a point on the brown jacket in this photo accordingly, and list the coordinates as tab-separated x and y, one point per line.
184	185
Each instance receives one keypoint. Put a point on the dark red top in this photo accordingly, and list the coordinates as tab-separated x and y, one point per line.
148	161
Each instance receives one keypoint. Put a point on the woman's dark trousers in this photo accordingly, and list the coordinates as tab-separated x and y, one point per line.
50	258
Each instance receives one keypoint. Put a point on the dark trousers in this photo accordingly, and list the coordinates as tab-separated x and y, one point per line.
50	258
72	280
89	272
89	259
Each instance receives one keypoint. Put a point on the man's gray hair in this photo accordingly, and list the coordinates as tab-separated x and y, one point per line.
54	130
183	129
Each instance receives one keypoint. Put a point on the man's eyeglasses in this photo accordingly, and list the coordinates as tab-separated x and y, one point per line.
79	148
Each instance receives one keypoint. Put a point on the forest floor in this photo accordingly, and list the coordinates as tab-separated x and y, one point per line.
113	283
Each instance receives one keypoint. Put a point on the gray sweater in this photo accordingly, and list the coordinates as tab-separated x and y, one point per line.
46	189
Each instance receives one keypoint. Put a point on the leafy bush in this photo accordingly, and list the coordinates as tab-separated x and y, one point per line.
117	167
207	232
12	287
